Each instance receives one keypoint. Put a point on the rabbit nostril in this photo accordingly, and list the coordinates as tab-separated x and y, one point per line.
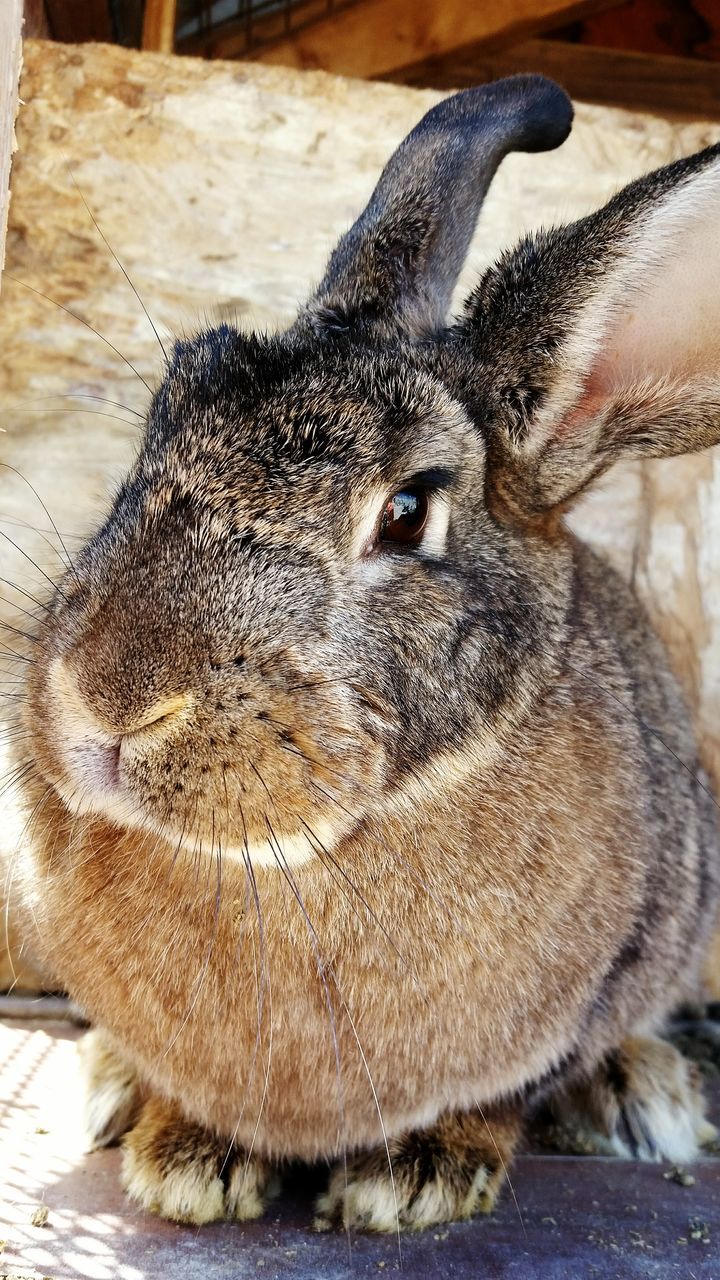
163	710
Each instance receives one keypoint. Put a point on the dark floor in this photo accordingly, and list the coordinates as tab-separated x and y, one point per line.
571	1218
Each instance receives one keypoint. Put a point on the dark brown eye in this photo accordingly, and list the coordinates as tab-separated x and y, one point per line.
405	517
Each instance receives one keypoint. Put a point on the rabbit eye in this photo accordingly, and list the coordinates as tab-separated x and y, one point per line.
404	517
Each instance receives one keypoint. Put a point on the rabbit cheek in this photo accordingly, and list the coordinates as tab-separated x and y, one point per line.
74	752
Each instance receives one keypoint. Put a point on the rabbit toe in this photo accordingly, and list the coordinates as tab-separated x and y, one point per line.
179	1170
411	1200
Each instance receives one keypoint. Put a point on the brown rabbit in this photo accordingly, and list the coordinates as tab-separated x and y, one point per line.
364	811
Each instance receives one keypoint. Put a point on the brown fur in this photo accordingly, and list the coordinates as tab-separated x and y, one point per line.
345	843
560	874
449	1170
182	1171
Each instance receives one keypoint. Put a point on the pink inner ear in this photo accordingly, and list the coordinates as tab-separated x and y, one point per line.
670	327
594	394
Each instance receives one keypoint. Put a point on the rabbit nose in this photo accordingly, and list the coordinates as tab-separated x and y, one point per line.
89	715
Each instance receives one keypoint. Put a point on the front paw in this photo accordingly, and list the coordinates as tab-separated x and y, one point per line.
448	1171
112	1096
179	1170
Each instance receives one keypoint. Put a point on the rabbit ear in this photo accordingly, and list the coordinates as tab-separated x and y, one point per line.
601	340
395	269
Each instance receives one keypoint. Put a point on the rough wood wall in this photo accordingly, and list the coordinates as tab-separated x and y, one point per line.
222	187
11	17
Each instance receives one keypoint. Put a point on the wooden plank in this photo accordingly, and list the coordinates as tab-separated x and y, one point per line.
685	28
36	23
640	81
159	26
252	29
11	19
379	38
79	19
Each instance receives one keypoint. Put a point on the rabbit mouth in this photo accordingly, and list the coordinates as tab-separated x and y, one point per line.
99	765
91	780
95	781
253	789
97	790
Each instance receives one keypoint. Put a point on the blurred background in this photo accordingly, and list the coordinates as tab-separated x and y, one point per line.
661	55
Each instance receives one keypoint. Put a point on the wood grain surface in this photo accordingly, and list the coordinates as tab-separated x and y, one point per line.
685	87
11	17
373	38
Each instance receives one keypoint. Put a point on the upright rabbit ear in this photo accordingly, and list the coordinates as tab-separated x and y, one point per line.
395	269
601	340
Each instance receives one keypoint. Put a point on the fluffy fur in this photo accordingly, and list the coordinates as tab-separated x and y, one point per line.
354	847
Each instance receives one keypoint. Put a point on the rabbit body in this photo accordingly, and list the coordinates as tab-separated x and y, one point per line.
360	796
532	910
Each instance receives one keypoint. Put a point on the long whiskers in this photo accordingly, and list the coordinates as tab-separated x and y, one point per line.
260	996
37	401
320	964
503	1165
34	491
35	565
96	413
326	856
110	249
19	609
81	320
17	631
199	981
27	594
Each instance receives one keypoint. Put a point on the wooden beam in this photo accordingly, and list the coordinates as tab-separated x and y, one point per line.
79	20
380	38
36	21
639	81
11	20
158	34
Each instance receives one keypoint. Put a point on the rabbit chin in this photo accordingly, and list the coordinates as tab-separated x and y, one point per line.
118	806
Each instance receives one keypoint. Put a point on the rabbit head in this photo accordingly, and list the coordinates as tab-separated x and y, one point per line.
338	558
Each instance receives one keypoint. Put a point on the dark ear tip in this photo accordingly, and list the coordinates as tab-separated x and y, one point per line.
523	112
546	110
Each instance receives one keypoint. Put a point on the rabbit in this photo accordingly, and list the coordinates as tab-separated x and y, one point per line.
364	812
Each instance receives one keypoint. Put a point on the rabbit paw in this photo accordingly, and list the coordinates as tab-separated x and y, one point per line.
179	1170
112	1096
450	1170
645	1101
